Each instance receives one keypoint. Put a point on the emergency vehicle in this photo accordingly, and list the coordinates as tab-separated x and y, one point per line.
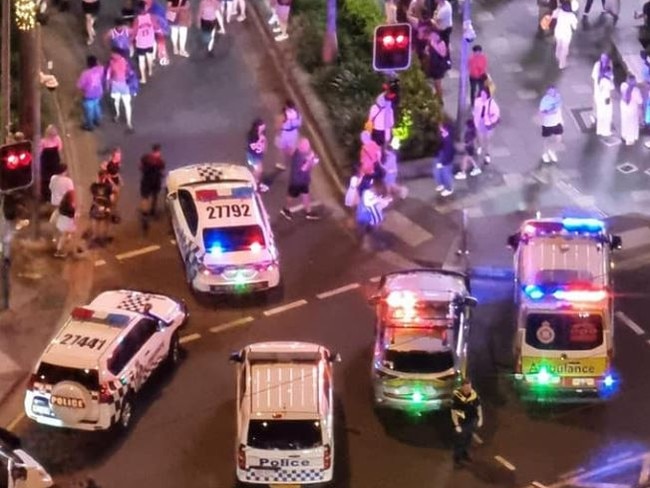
421	333
564	340
285	430
222	229
17	468
89	374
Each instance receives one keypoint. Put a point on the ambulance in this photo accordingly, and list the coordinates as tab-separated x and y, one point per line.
564	340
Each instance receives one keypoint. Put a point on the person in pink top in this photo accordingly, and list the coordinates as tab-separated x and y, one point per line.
51	150
209	16
145	41
116	76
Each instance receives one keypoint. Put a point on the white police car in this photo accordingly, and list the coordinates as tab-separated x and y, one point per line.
222	229
89	374
285	430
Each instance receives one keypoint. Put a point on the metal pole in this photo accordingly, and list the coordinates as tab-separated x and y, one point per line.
463	79
4	256
5	70
36	137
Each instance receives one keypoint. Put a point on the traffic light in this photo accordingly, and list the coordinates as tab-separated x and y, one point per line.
392	47
16	166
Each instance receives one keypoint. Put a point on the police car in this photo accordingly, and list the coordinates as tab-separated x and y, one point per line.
285	431
89	373
222	229
421	337
17	468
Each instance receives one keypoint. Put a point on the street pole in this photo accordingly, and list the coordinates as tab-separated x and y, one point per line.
463	79
36	136
5	70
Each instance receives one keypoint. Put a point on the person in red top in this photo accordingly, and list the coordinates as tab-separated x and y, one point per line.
477	71
116	76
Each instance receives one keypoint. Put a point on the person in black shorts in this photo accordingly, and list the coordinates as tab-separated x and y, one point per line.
302	162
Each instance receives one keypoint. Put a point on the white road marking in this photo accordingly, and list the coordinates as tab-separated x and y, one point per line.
337	291
300	206
375	279
284	308
137	252
504	462
630	323
232	324
537	484
16	420
477	438
172	242
100	262
189	338
571	473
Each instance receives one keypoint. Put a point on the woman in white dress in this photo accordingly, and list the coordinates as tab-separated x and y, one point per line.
565	23
604	106
631	108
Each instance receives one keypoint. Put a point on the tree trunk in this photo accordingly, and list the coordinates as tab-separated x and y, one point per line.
330	41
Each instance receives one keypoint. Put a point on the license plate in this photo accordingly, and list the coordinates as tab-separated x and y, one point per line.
41	410
583	382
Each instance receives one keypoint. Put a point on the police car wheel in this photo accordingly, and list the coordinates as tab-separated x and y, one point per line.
126	413
174	353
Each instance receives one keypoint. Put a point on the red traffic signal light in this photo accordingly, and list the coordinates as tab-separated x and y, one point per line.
16	166
392	47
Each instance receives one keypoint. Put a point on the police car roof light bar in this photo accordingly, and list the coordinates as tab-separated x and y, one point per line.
580	295
207	195
81	313
117	319
587	225
534	292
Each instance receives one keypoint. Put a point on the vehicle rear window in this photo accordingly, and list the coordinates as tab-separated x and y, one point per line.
564	332
420	361
229	239
52	374
284	434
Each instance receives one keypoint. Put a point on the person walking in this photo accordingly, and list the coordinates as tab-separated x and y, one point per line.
370	208
631	105
286	140
382	117
369	155
550	110
152	169
240	6
391	173
60	184
100	209
119	38
302	163
601	68
210	14
565	23
66	224
486	114
438	65
470	151
90	8
443	21
91	84
116	78
255	150
144	31
466	417
180	19
113	166
444	161
283	10
50	150
478	73
603	101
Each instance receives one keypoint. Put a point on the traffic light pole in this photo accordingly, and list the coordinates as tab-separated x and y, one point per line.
36	136
463	79
5	261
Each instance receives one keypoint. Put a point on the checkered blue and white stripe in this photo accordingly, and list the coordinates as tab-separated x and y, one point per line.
285	475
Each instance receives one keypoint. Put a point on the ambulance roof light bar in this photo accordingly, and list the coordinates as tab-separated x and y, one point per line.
565	294
569	224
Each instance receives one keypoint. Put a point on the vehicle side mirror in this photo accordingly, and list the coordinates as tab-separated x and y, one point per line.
236	357
615	242
374	299
161	325
513	241
334	358
471	302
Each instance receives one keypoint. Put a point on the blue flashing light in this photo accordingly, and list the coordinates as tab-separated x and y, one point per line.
573	224
242	192
117	319
216	249
534	292
608	382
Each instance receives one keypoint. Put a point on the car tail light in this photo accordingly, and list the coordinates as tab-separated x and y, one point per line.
327	457
105	395
264	266
30	383
241	456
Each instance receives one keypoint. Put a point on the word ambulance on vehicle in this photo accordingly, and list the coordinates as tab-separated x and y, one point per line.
17	468
89	374
285	431
564	340
222	229
421	333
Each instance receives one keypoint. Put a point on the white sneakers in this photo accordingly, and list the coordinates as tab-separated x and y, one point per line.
475	172
439	188
281	37
549	156
461	175
446	193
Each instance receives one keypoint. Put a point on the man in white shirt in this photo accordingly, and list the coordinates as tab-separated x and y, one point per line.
382	118
443	20
60	184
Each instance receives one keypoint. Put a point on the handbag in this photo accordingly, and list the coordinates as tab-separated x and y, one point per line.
352	193
490	85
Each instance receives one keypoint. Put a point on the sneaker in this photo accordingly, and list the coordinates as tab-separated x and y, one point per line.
241	18
646	144
487	159
312	216
439	188
277	29
286	213
460	176
475	172
281	37
185	54
262	188
479	150
446	193
553	156
546	158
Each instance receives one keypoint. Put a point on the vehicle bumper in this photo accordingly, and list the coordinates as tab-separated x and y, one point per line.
207	282
406	403
247	477
103	422
562	393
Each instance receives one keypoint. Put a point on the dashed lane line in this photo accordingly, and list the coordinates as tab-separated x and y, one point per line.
137	252
284	308
375	279
231	325
189	338
505	463
338	291
537	484
100	262
630	323
12	425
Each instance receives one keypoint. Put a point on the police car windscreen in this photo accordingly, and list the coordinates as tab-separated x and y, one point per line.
236	238
564	332
284	434
52	374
